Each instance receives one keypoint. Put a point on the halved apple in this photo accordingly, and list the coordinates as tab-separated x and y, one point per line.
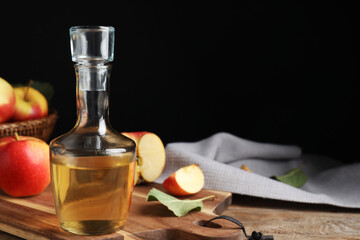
150	153
185	181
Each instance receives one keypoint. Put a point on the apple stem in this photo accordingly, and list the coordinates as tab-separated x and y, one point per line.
27	90
17	137
208	197
139	161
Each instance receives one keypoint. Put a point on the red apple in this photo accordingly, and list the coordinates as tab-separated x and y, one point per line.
185	181
25	166
7	101
150	153
30	104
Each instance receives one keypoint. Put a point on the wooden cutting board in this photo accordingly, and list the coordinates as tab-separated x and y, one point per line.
34	218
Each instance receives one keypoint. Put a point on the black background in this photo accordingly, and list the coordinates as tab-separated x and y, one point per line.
272	71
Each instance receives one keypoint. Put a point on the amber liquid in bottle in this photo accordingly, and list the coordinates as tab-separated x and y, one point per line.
92	166
92	171
102	181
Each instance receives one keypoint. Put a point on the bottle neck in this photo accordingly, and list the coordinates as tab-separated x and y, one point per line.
92	93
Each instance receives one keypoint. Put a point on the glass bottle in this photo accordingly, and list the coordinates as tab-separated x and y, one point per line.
92	166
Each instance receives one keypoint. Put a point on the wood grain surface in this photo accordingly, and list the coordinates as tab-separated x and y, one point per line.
284	220
34	218
287	220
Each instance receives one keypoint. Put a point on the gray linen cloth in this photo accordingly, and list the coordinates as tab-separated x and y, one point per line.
221	155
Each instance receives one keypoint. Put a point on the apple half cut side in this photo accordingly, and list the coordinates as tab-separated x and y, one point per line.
185	181
150	154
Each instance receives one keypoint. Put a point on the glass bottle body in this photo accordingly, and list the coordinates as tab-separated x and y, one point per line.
92	166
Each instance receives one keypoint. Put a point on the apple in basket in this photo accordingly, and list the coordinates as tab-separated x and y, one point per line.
30	104
185	181
7	101
25	165
150	154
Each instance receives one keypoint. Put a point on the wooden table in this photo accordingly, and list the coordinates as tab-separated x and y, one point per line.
286	220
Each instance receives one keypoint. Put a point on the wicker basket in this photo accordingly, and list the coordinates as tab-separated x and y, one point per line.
40	128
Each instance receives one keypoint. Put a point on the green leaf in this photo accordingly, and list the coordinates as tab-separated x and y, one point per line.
45	88
179	207
295	177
